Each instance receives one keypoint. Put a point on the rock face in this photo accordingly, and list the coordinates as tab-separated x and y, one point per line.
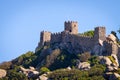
83	66
112	38
112	66
2	73
111	62
31	73
43	77
116	59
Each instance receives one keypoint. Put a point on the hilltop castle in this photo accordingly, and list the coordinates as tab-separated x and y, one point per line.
69	38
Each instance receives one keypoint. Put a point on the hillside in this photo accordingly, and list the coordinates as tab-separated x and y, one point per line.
63	61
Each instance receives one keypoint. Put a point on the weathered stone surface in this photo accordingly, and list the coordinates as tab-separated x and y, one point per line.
32	68
110	66
83	66
106	61
116	60
98	49
29	72
2	73
112	38
69	68
43	77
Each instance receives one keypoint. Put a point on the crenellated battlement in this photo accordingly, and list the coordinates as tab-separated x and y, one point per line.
71	27
70	33
100	27
69	38
71	22
46	31
56	34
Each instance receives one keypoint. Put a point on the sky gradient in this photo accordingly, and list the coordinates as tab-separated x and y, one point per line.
22	20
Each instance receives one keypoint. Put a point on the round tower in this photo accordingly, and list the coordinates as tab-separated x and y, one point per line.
71	27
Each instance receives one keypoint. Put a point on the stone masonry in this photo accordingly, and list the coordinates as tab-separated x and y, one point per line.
80	42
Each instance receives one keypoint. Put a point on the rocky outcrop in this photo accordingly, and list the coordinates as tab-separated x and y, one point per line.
31	72
83	65
111	62
43	77
69	68
112	66
2	73
111	37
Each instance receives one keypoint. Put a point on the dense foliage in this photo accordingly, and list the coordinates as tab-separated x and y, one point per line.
95	73
88	33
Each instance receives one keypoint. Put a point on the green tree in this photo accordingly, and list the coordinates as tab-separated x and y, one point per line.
89	33
94	60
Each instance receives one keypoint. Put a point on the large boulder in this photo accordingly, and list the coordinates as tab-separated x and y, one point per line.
105	60
111	37
43	77
2	73
116	60
83	66
111	68
31	72
111	62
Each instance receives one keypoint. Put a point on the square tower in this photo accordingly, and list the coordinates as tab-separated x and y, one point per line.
71	27
100	33
45	37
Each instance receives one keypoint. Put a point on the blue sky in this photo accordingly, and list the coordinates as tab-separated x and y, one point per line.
22	20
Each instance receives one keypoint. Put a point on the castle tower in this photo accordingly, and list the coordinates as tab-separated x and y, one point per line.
45	37
71	27
100	33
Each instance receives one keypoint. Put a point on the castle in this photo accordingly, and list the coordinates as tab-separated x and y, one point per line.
69	38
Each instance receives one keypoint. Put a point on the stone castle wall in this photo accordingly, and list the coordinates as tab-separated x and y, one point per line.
56	38
70	35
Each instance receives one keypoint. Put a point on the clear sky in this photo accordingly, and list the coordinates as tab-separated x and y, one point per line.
22	20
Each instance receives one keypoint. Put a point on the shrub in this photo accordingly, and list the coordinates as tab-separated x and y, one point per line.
97	78
63	74
44	70
16	75
96	70
94	60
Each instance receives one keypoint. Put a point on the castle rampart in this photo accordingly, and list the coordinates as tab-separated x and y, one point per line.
56	37
70	35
